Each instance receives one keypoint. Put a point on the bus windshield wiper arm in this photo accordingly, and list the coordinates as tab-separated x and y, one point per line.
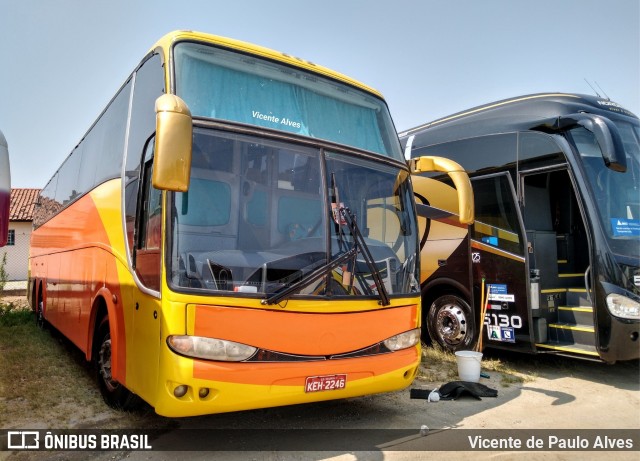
363	248
310	278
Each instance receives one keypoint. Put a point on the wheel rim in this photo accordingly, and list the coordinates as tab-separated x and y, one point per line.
451	324
104	365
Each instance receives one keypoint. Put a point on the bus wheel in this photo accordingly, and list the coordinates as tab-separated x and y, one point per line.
40	321
114	394
450	323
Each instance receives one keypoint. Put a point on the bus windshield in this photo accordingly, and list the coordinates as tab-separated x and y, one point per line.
221	84
258	219
617	195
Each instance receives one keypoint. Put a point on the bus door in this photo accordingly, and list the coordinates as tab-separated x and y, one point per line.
499	264
146	312
558	251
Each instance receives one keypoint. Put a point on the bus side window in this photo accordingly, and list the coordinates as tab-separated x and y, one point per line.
147	253
149	85
496	213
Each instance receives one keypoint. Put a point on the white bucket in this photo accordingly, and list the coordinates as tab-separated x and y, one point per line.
469	365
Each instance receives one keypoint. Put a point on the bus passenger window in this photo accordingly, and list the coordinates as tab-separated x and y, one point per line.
496	213
147	255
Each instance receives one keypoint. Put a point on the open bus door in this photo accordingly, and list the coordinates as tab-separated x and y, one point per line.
499	265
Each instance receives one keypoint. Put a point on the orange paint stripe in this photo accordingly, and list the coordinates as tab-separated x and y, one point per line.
73	255
303	333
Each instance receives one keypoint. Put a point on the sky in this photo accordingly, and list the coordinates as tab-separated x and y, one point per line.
63	60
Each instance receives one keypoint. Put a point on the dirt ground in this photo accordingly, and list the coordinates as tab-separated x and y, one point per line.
558	394
555	394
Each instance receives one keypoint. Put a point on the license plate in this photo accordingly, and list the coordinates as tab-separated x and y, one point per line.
325	383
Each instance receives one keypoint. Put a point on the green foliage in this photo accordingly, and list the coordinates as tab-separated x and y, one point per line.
4	275
12	314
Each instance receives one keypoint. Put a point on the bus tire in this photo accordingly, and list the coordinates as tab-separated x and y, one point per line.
41	323
114	394
450	323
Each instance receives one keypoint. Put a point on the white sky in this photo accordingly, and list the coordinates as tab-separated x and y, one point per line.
63	60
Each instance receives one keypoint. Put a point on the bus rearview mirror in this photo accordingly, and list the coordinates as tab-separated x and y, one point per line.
174	138
459	177
605	132
610	142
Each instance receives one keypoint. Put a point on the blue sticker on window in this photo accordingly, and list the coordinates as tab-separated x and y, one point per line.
625	227
491	240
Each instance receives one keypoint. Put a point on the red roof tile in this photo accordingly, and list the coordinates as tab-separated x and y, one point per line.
22	204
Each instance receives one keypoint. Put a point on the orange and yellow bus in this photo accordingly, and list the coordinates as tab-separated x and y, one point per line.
235	231
5	190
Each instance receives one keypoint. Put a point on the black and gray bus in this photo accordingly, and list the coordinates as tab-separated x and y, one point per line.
553	258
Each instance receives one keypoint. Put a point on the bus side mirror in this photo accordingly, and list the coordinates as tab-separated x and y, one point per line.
458	176
174	137
609	139
604	130
5	190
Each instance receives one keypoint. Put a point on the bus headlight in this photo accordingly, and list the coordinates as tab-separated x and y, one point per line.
403	340
210	348
623	307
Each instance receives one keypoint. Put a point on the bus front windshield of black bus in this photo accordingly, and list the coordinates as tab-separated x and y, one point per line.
259	217
616	194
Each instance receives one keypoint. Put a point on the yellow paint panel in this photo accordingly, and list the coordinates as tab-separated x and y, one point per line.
168	40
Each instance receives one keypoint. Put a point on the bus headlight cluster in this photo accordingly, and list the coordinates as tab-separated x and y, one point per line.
623	307
210	348
403	340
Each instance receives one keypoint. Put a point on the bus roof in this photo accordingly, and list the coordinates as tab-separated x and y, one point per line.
519	113
169	39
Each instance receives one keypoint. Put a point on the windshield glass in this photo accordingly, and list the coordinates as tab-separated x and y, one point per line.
257	220
617	195
217	83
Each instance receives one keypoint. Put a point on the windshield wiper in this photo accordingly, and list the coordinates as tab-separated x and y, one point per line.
363	248
343	216
310	277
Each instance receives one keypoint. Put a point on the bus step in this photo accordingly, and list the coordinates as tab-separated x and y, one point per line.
571	275
553	297
572	333
570	279
577	350
582	315
578	297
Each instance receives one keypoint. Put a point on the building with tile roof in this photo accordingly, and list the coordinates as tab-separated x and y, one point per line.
23	204
20	225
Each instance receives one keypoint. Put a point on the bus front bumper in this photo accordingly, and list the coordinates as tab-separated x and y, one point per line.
198	387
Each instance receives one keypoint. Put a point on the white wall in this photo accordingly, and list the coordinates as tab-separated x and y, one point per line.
18	254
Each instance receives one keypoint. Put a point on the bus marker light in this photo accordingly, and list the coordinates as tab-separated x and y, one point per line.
180	391
203	392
